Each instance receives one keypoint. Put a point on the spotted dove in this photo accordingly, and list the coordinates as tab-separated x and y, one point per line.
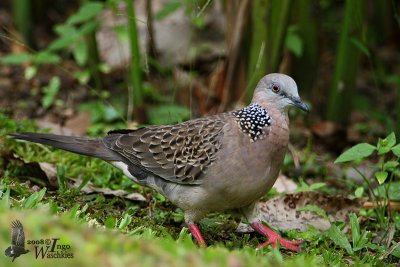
216	163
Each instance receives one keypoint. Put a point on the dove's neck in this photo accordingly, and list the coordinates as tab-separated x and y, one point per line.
279	115
270	105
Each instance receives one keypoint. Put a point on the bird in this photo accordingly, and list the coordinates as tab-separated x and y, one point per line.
17	247
215	163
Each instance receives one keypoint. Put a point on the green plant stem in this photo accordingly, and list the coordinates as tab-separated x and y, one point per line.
367	182
258	60
151	45
387	187
278	18
347	62
396	14
306	66
269	23
398	111
375	198
135	69
23	19
386	201
94	60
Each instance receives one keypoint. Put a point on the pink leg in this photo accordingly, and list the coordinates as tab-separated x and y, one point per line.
194	229
274	237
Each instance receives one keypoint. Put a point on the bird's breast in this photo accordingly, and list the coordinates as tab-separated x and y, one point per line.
246	170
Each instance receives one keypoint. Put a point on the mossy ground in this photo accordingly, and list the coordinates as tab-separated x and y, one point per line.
113	231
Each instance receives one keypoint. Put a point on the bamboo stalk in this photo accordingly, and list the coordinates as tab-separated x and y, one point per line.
135	72
23	19
305	70
347	62
151	43
94	60
269	23
278	18
258	60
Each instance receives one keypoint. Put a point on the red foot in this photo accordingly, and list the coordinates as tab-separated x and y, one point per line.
274	237
197	234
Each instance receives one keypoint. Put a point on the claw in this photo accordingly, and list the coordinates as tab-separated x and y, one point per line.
274	238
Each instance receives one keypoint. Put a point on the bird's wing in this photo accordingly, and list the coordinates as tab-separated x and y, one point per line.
178	153
8	252
17	234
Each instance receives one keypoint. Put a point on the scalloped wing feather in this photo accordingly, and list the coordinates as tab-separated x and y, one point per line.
178	153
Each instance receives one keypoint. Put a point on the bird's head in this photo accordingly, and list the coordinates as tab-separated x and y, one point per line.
280	90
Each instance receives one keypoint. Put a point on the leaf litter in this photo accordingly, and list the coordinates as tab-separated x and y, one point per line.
298	211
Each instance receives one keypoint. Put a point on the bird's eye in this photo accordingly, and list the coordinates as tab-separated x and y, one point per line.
275	88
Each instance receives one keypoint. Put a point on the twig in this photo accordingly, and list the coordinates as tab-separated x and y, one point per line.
372	205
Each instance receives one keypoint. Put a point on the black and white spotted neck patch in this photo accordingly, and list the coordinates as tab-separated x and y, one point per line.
252	119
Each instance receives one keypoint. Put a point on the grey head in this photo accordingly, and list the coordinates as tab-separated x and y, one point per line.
279	89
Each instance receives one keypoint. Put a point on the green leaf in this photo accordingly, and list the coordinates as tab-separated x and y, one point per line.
80	52
125	222
65	30
62	42
198	21
34	199
396	150
339	238
169	8
390	165
304	187
104	68
396	251
393	192
314	208
122	33
45	57
5	198
359	192
30	72
16	59
110	222
355	228
356	152
361	46
87	11
73	212
316	186
62	183
50	91
110	114
381	176
82	76
385	145
167	114
359	237
294	43
88	27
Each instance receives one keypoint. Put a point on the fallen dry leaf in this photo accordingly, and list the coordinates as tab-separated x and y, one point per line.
55	128
90	188
283	212
324	128
51	173
79	123
284	185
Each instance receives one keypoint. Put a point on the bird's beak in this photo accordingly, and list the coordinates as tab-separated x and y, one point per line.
299	103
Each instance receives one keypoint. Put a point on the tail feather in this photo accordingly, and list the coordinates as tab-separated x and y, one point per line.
81	145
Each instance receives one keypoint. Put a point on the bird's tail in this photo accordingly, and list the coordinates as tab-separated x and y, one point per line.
81	145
